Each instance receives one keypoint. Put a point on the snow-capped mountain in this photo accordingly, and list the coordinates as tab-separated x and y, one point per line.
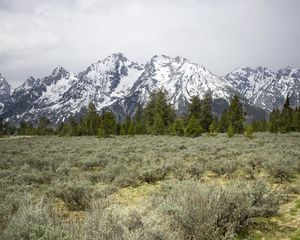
180	78
120	84
266	89
5	92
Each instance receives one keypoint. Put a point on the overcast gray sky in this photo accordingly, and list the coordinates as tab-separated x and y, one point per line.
37	35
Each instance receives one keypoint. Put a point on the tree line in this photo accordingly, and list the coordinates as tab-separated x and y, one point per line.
158	117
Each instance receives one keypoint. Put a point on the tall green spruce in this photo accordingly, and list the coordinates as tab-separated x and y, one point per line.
138	120
1	127
201	110
92	120
43	126
158	113
274	121
236	115
125	126
206	117
286	118
177	128
297	119
223	122
194	128
108	125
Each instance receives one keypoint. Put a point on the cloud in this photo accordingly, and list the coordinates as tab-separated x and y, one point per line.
37	35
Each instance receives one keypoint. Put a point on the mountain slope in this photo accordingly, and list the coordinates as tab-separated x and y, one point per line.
264	88
5	92
180	78
120	84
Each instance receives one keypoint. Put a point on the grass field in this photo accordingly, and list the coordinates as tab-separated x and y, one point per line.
150	187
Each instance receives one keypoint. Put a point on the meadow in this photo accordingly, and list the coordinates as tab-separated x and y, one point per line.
150	187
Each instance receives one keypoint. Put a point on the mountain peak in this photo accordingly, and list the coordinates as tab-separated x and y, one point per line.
59	72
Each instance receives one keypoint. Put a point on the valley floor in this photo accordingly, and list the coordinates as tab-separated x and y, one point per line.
150	187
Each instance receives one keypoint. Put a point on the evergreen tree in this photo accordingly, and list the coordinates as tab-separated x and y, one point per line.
26	128
177	128
138	120
125	126
1	127
59	129
92	120
236	115
274	121
108	125
286	118
206	117
223	123
131	129
158	109
212	129
73	127
297	119
158	128
43	126
193	129
259	126
230	131
249	131
82	127
194	108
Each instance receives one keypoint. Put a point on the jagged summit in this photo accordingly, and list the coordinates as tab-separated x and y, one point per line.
118	83
5	92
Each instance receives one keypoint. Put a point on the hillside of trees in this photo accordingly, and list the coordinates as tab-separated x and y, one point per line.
158	117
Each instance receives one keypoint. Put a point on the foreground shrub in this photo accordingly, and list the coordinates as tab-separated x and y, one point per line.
223	166
76	195
35	222
280	169
199	211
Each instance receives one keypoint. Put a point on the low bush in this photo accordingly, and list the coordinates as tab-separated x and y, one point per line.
201	211
223	166
280	169
35	222
76	195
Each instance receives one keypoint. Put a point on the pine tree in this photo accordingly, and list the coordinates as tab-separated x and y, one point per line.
138	120
194	108
131	129
158	107
194	128
125	126
177	128
286	118
1	127
108	125
249	131
26	128
43	124
73	127
82	127
230	131
223	123
158	128
92	120
259	126
206	116
212	129
236	115
274	121
297	119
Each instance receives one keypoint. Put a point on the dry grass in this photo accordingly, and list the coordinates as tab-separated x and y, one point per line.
128	174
